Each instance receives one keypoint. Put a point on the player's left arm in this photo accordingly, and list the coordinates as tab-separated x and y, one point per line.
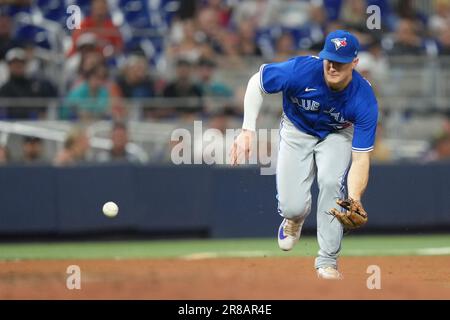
354	215
358	175
365	126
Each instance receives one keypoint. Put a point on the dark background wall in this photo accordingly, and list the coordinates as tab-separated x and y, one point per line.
217	201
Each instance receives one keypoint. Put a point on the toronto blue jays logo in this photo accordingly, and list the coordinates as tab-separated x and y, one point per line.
339	42
340	122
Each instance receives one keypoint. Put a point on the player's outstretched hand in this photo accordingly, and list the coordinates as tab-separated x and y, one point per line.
242	147
354	215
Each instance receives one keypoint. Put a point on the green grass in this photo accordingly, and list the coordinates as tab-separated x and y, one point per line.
352	246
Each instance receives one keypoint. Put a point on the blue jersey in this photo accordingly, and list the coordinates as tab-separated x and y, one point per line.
317	110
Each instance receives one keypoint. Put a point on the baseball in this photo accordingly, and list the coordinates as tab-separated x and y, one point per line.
110	209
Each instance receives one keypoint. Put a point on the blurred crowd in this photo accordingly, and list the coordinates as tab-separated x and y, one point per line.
145	52
76	149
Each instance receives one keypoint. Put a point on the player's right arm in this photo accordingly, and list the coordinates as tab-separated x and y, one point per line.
253	99
271	78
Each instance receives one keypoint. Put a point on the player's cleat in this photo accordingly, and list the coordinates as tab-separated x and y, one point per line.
329	273
289	233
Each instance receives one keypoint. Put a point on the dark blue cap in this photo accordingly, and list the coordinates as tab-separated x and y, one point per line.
340	46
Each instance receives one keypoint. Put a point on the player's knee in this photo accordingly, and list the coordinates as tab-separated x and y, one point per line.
295	210
329	183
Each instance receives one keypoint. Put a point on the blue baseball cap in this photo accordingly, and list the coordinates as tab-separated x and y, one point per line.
340	46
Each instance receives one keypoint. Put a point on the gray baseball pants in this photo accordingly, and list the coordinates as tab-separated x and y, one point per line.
301	156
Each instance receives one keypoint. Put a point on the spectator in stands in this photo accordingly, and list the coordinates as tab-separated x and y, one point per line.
116	102
256	11
313	44
209	85
99	22
32	150
247	40
440	19
185	42
90	100
118	152
216	94
135	81
88	62
366	66
4	155
236	45
313	30
288	14
211	146
40	64
380	62
353	14
231	51
354	17
222	9
187	9
75	149
223	119
440	149
381	152
188	94
388	16
444	41
407	41
209	30
446	125
86	47
20	85
7	41
407	10
284	47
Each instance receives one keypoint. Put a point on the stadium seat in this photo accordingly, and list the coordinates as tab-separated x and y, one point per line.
151	47
265	39
13	10
170	8
37	35
84	5
54	10
333	8
136	13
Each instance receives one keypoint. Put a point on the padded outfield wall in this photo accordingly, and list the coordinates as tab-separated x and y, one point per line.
214	201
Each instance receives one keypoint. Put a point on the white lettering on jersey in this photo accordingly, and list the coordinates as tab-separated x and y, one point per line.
308	105
341	122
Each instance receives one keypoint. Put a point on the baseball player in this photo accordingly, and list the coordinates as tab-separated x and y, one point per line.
327	130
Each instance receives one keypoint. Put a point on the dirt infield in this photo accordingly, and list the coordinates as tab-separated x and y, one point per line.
424	277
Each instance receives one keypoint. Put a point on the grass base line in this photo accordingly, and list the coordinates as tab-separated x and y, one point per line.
350	252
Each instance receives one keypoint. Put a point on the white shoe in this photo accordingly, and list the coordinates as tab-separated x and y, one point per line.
329	273
289	233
